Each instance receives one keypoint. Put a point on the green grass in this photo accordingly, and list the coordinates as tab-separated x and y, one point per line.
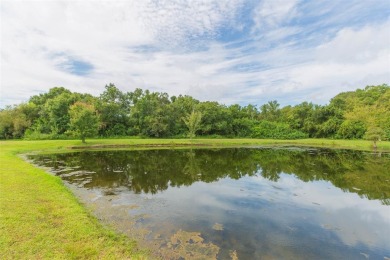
41	219
338	144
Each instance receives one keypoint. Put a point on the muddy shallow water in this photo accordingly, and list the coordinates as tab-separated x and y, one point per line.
238	203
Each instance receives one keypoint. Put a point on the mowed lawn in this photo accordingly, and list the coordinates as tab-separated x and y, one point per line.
41	219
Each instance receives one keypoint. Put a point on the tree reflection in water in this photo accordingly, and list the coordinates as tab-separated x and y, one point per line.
153	171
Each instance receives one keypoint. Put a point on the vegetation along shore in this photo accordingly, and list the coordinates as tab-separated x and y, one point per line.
62	114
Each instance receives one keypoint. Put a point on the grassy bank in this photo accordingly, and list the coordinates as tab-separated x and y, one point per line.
40	218
337	144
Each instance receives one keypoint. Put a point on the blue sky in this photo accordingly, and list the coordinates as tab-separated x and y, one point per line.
228	51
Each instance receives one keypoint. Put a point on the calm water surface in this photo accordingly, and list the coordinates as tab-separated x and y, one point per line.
245	203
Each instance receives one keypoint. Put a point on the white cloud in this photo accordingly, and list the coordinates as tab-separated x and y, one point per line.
273	13
357	46
174	22
173	46
39	36
353	58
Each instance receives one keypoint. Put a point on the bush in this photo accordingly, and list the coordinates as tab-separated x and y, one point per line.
351	129
273	130
242	127
34	134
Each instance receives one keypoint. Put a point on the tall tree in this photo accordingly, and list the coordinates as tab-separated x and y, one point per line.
56	112
270	111
180	107
216	119
84	121
151	114
114	108
193	121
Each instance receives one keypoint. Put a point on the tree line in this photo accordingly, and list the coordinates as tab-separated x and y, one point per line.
60	114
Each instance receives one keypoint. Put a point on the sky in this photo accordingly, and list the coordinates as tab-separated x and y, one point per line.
245	52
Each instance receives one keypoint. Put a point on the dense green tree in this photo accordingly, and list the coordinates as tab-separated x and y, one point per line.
250	111
41	99
56	111
329	128
216	119
151	115
84	121
51	111
114	109
351	129
180	107
370	105
154	114
30	110
243	119
13	122
270	111
301	117
328	120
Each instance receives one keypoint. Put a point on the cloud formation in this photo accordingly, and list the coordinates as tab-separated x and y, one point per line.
228	51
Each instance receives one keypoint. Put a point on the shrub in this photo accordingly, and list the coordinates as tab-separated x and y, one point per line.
351	129
273	130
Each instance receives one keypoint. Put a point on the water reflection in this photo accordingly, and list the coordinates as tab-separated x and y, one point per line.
286	203
152	171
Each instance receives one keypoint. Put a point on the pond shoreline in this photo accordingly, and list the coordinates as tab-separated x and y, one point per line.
362	145
120	184
41	218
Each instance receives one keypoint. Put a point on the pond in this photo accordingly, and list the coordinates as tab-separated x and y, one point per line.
238	203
